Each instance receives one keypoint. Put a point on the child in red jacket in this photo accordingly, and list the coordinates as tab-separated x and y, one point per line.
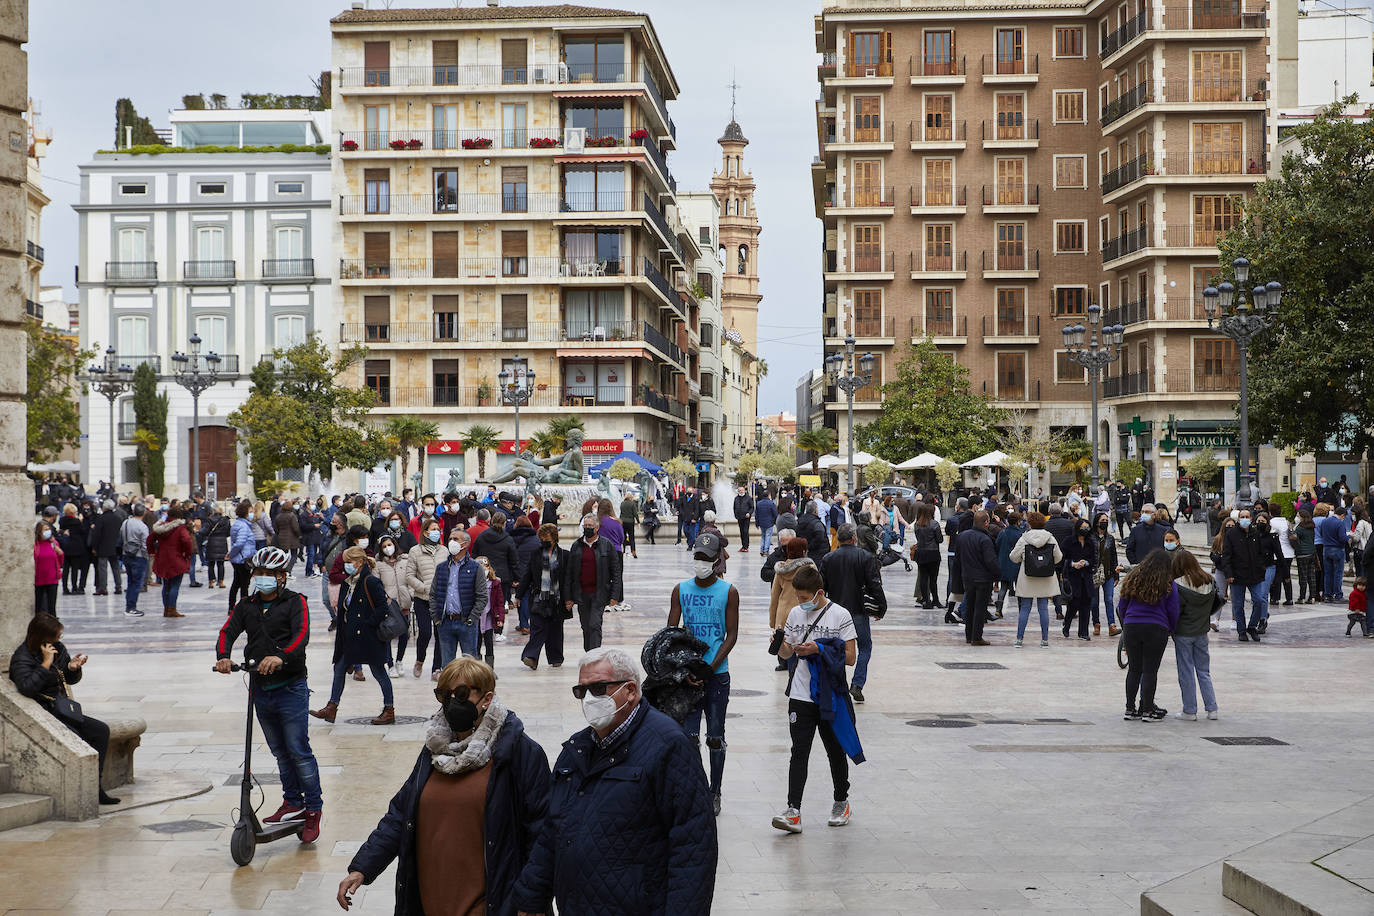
1357	613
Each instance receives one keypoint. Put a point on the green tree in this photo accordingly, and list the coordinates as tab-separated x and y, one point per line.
948	474
406	433
1128	469
150	415
1310	228
1075	456
144	134
818	441
680	468
54	414
748	463
1202	467
146	446
930	406
1026	445
543	443
777	464
624	469
877	473
298	414
480	439
560	426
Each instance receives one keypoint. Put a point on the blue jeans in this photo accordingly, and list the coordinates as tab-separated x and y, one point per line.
863	628
525	612
454	637
341	670
1194	671
712	706
1107	591
1269	573
1333	569
310	551
1259	600
283	715
171	587
324	596
690	530
1023	617
136	571
766	539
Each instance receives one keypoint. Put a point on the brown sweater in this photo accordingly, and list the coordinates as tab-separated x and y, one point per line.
450	843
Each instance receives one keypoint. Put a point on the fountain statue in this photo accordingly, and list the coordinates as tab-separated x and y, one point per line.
567	468
455	480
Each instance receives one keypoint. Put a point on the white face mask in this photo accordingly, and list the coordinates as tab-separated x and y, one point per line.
704	569
363	542
389	550
455	549
600	711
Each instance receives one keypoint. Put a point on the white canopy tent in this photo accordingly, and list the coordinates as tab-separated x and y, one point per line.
833	461
993	459
921	461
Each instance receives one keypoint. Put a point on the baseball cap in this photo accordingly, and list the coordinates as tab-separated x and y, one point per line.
708	545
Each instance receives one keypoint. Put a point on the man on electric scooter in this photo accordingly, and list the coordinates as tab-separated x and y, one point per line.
277	622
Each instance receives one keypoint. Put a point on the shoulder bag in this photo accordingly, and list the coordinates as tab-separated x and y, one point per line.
393	622
797	660
63	706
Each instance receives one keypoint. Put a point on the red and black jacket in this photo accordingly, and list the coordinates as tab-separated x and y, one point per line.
282	628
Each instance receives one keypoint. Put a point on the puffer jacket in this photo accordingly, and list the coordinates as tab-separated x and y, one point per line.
496	545
1005	542
420	570
217	539
784	596
526	546
393	575
629	830
1196	605
1242	555
517	804
1035	586
171	547
816	534
241	542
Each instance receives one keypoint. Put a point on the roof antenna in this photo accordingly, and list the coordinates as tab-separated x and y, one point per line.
734	85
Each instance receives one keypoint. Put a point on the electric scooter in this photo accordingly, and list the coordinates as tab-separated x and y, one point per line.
249	831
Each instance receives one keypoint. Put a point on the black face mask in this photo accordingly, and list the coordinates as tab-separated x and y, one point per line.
1082	532
588	533
462	715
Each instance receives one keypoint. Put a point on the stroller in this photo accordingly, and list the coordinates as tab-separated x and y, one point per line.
887	556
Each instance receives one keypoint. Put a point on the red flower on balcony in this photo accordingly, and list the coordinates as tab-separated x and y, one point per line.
414	144
349	146
603	141
640	135
545	142
397	144
477	143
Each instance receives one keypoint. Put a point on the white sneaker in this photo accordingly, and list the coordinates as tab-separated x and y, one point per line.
499	637
134	613
393	671
1044	643
1211	714
1190	716
839	814
1018	644
789	820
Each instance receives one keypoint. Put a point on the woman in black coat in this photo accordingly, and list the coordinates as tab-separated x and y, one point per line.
544	585
42	668
362	606
1109	562
216	536
74	536
1080	557
446	860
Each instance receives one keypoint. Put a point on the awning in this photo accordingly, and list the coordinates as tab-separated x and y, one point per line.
597	94
923	460
993	459
597	469
594	352
596	157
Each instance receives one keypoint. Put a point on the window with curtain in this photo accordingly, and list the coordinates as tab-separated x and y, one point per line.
376	126
133	336
597	120
445	126
288	331
213	331
377	190
133	245
289	243
586	310
514	189
210	243
588	188
594	253
445	190
512	126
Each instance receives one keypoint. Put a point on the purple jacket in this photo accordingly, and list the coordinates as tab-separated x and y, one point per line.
1164	614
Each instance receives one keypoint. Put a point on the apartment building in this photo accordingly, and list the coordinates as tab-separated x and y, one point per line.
503	192
34	202
232	247
985	174
708	421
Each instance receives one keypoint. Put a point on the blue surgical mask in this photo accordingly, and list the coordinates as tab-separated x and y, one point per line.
394	525
265	584
433	536
1245	523
808	606
350	568
1171	545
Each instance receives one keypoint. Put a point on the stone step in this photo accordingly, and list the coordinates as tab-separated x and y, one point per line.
4	778
20	810
1198	893
1294	888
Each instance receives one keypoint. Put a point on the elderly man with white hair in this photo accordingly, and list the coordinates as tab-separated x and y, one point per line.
457	598
629	830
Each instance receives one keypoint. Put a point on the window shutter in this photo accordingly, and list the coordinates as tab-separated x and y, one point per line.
445	53
376	309
377	55
513	54
445	246
514	244
377	247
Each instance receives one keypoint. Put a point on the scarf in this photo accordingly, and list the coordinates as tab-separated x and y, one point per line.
471	753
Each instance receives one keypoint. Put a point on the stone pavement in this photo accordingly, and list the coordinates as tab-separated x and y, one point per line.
1013	788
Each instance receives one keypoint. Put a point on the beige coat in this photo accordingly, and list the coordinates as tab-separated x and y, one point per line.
784	597
1032	586
393	576
423	558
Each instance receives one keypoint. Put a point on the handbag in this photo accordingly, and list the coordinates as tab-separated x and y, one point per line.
1099	575
64	707
393	622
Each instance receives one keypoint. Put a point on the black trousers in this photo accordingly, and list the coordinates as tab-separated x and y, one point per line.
743	532
238	588
1080	588
95	733
927	576
649	533
976	598
546	633
1283	580
629	540
589	612
105	568
74	572
804	720
1145	645
45	599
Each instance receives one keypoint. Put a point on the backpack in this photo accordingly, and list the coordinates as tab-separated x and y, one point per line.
1038	562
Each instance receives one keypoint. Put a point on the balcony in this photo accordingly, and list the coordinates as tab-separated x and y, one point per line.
1020	265
397	332
868	331
951	266
666	234
851	139
1121	386
660	106
864	200
937	70
874	265
1013	392
440	76
1206	16
482	140
34	251
475	204
1226	380
1123	36
1123	175
947	330
1126	103
1126	243
208	272
1130	313
1011	330
1000	70
545	268
288	269
1011	131
1213	90
1022	199
951	135
1242	167
33	309
655	338
826	68
654	277
153	361
939	201
868	70
1196	236
592	202
130	273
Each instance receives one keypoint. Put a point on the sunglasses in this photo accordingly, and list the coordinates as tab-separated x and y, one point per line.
443	696
596	689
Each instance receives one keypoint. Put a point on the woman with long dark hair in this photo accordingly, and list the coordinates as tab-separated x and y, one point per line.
1149	613
1080	558
926	538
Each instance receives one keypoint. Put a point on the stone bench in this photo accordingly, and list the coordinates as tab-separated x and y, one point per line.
125	736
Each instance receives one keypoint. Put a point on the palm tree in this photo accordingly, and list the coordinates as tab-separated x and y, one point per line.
819	441
145	443
1075	456
480	439
560	426
761	369
406	433
543	443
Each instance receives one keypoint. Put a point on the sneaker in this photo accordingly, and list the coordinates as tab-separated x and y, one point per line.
499	637
1188	716
857	693
1155	715
789	820
1044	643
1254	634
418	669
133	612
1212	714
839	814
1018	644
311	831
1131	714
287	812
393	671
434	675
715	805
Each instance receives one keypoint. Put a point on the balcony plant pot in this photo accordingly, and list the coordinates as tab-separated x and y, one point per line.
1148	168
639	136
483	394
348	146
477	143
397	144
415	144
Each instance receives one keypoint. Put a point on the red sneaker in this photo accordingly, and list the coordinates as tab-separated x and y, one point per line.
287	812
311	832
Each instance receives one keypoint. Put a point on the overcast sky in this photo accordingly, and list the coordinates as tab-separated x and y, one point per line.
85	54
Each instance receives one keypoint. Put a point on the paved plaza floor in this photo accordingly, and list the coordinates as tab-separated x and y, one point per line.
1011	787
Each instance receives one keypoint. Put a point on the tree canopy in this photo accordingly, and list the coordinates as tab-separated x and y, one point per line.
54	415
1310	229
150	415
931	407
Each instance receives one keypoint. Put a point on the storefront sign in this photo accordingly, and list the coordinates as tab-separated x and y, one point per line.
444	447
1206	440
589	446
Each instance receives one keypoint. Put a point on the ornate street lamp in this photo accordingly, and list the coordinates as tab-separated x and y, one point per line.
195	378
1103	347
516	385
111	380
841	370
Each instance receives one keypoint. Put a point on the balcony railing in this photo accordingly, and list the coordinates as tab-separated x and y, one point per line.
1249	162
874	327
1010	325
921	65
1184	308
208	271
939	197
1129	313
33	309
997	65
860	69
1126	243
1213	89
446	268
1126	103
1123	175
1122	36
871	196
470	139
465	75
34	251
288	268
939	326
1011	126
445	202
647	77
954	261
1019	196
126	430
659	282
1226	380
948	132
669	237
655	338
1024	260
881	133
153	361
1128	384
446	329
599	72
592	201
1215	16
874	262
133	273
826	68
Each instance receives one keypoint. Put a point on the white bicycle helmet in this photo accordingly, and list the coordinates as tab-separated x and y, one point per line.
270	558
